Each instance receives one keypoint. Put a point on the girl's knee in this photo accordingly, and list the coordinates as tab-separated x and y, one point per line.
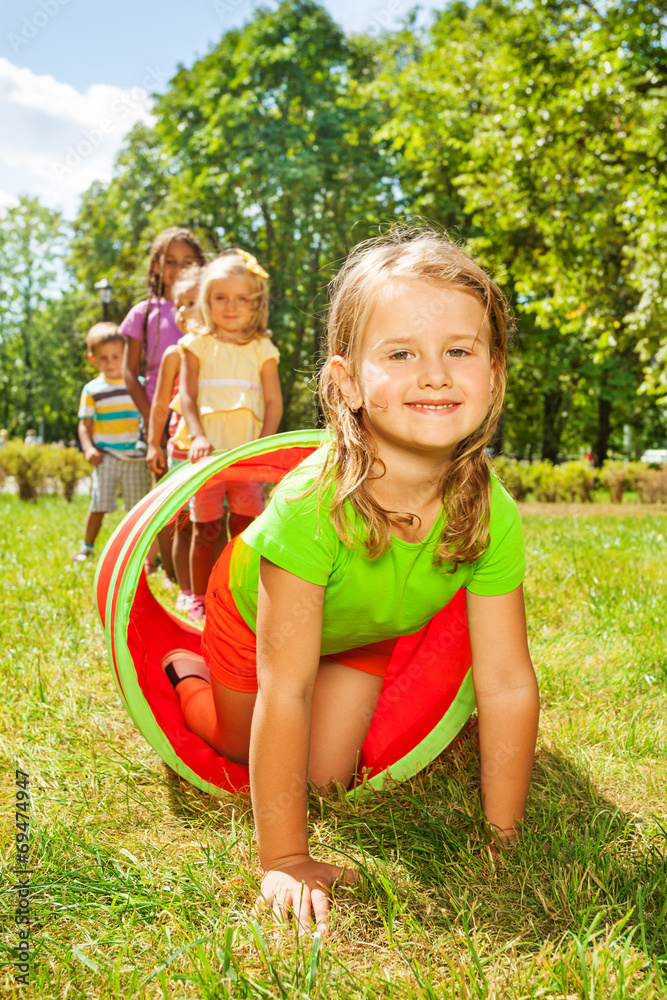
329	786
237	753
206	532
183	529
328	778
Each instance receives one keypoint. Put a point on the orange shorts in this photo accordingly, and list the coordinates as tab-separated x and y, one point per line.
229	646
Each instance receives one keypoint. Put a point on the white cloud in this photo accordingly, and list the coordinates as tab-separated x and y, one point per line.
7	200
57	140
58	100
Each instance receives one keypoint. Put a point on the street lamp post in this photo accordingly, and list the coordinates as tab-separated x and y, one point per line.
106	294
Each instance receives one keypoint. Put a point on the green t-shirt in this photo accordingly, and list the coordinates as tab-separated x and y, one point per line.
367	600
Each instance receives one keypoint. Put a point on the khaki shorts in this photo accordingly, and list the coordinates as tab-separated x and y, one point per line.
132	476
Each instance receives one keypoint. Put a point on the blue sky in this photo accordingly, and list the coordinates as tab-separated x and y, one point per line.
75	75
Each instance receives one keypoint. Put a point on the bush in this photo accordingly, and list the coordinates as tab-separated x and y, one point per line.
615	477
651	485
28	465
32	465
515	477
636	471
67	466
547	482
577	481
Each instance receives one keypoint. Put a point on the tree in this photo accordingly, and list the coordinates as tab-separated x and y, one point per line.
266	144
534	131
32	277
524	112
113	228
270	147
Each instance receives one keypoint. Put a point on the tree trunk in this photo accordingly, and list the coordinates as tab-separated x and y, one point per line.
28	374
289	376
496	442
553	425
601	446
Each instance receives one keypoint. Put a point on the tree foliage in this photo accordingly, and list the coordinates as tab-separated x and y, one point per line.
534	131
264	143
528	132
40	346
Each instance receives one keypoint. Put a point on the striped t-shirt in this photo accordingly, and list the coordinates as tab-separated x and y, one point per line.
115	417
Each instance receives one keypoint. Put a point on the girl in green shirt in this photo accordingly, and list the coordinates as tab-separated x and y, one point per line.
367	541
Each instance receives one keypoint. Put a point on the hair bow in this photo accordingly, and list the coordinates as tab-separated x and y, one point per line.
251	263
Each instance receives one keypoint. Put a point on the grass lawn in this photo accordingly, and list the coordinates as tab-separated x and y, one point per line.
141	884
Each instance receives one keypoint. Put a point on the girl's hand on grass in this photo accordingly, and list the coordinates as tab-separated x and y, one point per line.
200	448
155	460
298	885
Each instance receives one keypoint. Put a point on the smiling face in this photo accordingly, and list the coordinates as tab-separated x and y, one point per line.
109	358
231	304
179	254
424	375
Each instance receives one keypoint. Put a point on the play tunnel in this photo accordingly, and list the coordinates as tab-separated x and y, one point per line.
427	695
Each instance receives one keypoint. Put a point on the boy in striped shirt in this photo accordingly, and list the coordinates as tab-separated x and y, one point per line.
109	434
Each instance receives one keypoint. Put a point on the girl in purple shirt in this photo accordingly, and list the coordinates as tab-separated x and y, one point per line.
150	327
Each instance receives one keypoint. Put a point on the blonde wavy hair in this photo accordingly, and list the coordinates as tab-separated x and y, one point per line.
232	264
424	255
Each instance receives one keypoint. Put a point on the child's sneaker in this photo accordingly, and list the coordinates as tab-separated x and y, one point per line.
85	552
197	609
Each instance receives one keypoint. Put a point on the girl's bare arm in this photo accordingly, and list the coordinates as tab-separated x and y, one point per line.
189	389
131	362
169	369
289	635
508	706
273	398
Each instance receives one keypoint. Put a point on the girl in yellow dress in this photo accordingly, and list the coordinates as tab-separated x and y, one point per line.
229	395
